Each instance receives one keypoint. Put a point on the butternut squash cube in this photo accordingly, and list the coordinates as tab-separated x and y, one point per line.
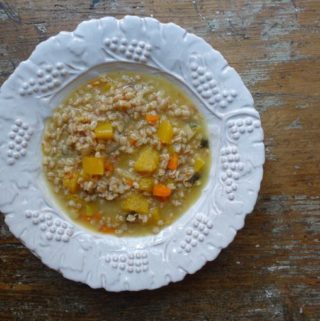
104	131
165	132
147	161
135	203
93	165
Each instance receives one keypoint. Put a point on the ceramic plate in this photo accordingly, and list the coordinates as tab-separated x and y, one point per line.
59	65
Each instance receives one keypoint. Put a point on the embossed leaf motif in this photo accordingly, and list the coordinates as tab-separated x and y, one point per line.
85	241
11	190
77	46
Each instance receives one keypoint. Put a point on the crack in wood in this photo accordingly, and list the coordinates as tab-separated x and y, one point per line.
10	11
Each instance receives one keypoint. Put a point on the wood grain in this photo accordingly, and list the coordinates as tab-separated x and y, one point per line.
271	271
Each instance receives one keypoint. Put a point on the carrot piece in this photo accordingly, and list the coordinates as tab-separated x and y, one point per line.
133	142
129	181
108	166
161	190
97	216
85	218
173	161
106	229
152	119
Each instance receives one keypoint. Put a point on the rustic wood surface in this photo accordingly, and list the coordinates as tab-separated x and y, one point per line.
272	269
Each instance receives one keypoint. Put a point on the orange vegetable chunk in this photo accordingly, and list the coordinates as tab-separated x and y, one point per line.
161	190
152	119
106	229
173	162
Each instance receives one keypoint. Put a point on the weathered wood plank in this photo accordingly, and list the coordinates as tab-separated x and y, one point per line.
271	270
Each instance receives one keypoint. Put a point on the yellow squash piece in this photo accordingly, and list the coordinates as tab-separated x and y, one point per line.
165	132
104	131
70	182
93	165
135	203
146	184
198	164
147	161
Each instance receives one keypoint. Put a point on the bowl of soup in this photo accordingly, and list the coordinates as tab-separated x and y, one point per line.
133	153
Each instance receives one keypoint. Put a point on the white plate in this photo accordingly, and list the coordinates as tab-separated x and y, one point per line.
60	64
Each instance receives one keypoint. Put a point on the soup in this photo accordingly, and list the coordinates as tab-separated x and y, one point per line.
126	153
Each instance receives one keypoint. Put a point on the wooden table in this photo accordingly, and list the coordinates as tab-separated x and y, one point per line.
272	269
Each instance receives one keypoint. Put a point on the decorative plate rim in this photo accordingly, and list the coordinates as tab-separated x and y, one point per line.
108	262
